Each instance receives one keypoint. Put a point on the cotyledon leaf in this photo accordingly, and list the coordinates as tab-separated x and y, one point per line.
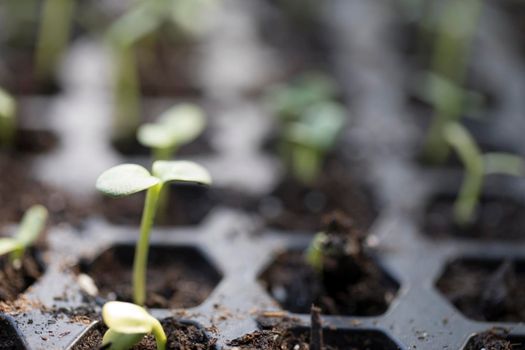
155	135
185	122
127	318
125	179
181	171
32	224
7	245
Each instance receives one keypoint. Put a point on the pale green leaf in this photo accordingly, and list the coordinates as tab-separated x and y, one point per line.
127	318
155	136
504	163
185	122
121	341
32	224
181	171
7	105
8	245
125	179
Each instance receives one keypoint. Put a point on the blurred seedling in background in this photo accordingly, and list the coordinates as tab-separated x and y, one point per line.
141	25
7	119
126	179
31	226
53	36
455	28
179	125
310	120
127	324
477	166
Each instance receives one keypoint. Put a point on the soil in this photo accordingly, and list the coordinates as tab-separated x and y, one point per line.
351	283
494	340
295	207
14	281
9	340
187	205
177	277
286	335
486	290
496	219
181	336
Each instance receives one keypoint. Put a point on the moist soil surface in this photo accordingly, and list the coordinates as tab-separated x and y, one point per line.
494	340
350	283
181	336
486	290
176	277
496	219
8	337
293	206
13	280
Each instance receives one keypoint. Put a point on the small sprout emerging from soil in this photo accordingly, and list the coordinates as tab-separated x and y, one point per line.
311	120
127	179
179	125
477	165
7	118
55	27
30	228
127	324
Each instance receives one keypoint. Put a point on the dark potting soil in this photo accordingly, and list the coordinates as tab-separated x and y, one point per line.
177	277
486	290
9	339
13	280
187	205
494	340
181	336
496	219
351	282
296	207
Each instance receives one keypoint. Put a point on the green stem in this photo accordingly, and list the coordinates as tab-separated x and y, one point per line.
164	153
54	34
459	138
306	163
141	252
160	336
455	31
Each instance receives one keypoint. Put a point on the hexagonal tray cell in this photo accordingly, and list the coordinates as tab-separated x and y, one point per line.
9	337
282	337
296	286
498	218
177	276
187	205
293	206
486	289
15	281
495	339
181	335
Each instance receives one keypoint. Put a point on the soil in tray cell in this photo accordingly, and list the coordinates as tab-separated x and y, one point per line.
177	277
495	339
181	336
350	283
14	280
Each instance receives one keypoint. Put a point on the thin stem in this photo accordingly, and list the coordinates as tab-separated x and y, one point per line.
165	153
459	138
141	252
306	163
160	336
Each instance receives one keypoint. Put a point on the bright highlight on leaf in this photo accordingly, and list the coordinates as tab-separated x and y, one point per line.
181	171
125	179
128	323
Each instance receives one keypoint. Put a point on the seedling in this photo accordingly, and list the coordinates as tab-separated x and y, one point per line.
179	125
127	324
127	179
55	27
310	120
455	29
477	166
7	119
30	227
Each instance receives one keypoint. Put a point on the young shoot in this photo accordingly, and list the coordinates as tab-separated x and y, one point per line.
179	125
477	166
31	226
455	30
7	119
127	179
127	324
55	27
